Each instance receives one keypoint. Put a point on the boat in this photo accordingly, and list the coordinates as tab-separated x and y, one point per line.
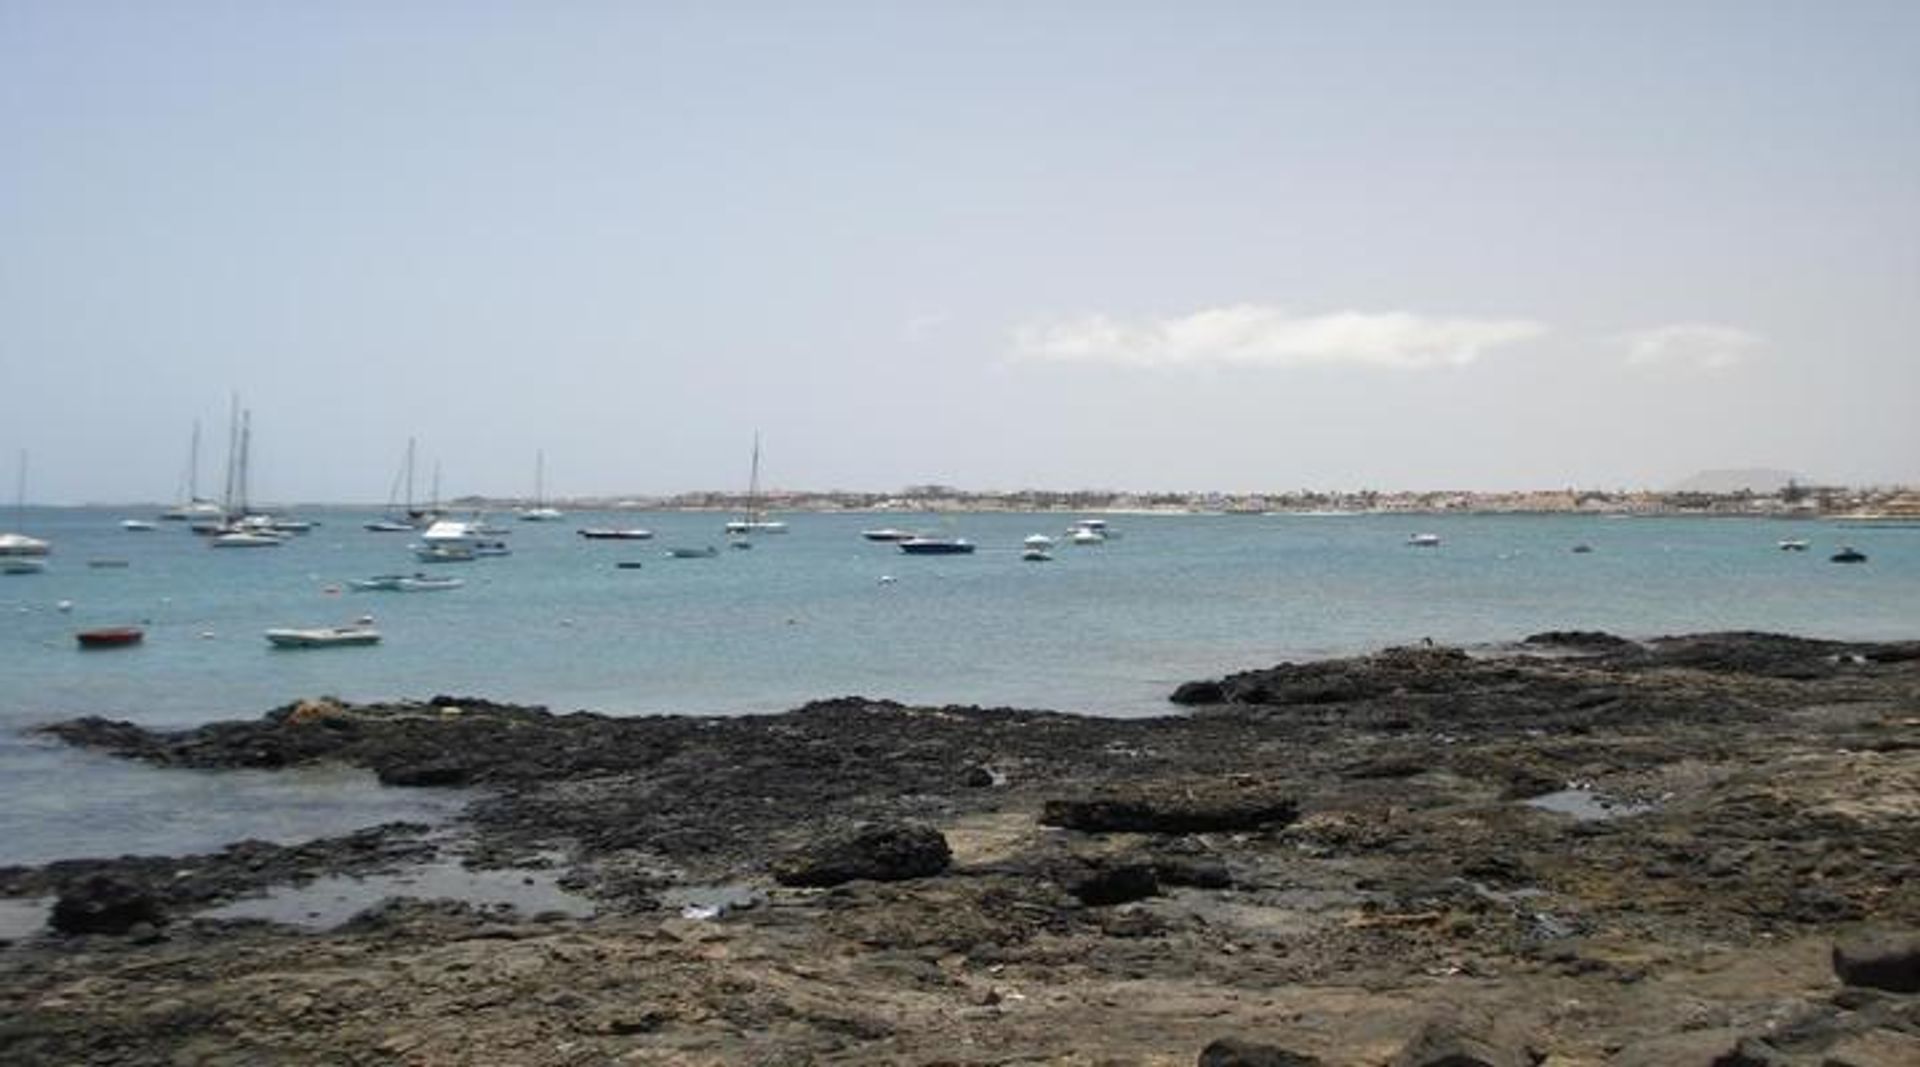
445	553
247	539
19	544
936	546
1848	554
1036	555
754	520
22	565
888	534
1424	540
106	564
1581	549
1099	527
404	583
628	565
540	512
194	506
324	637
1793	544
1040	541
599	533
707	552
137	525
403	516
110	637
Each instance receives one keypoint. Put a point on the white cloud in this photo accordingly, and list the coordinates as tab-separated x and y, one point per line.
1252	334
1697	345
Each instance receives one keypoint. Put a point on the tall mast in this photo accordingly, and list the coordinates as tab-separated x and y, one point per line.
233	454
246	447
410	476
193	466
540	478
753	482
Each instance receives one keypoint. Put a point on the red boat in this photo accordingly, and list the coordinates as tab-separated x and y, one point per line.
110	637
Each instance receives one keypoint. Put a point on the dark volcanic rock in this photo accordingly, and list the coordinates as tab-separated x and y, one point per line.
1578	639
886	853
1199	693
103	904
1447	1043
1884	962
1104	885
1235	1052
1174	807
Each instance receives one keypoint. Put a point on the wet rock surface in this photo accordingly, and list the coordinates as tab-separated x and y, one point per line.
1326	862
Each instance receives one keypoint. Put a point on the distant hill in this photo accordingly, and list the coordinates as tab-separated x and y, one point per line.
1753	479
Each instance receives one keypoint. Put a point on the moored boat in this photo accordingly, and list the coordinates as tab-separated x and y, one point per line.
888	534
323	637
110	637
1036	555
936	546
137	525
1424	540
1793	544
1848	554
707	552
22	565
601	533
404	583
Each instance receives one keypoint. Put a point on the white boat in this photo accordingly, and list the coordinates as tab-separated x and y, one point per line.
1424	540
404	583
194	506
540	512
888	533
401	515
18	544
1036	555
755	520
388	526
1041	541
324	637
445	553
1082	535
247	539
1093	526
137	526
1793	544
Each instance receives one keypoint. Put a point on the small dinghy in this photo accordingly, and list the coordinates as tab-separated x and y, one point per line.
110	637
1848	554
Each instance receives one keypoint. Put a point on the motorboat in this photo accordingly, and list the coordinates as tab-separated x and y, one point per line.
22	565
247	539
1793	544
600	533
1424	540
324	637
444	553
1848	554
1099	527
1086	535
1036	555
936	546
541	514
707	552
1040	541
888	534
404	583
628	565
110	637
388	526
1581	549
137	526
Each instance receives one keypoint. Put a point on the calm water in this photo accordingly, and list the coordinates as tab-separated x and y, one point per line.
1107	630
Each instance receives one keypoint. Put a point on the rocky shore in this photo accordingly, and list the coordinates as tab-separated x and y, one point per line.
1579	850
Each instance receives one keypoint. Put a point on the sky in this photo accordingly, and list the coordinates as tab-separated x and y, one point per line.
1184	245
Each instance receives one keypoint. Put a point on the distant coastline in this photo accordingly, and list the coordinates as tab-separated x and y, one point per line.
1891	504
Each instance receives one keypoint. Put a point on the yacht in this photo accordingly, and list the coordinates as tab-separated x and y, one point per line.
936	546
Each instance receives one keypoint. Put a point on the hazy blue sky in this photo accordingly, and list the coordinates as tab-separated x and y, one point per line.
1132	245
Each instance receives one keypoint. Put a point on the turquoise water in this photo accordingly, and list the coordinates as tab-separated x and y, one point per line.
1107	630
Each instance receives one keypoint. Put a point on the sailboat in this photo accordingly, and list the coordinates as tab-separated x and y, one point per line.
755	519
540	512
195	507
402	520
243	529
20	554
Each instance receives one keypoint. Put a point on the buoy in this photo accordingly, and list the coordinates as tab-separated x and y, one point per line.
65	605
886	579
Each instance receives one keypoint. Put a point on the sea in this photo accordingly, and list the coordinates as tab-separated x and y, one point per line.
816	612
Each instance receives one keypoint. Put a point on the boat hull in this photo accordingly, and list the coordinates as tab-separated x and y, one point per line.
110	637
336	637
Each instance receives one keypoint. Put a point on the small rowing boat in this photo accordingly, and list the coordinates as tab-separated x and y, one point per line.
324	637
110	637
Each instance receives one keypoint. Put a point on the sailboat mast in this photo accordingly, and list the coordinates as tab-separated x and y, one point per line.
193	465
410	476
753	482
233	454
540	478
246	448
